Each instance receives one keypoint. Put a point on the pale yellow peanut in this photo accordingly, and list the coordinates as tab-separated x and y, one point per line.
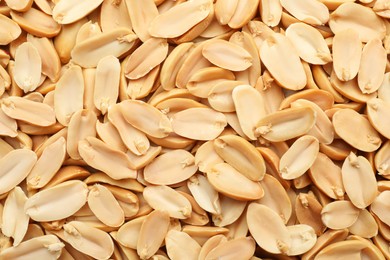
381	243
349	16
15	166
204	193
19	6
37	23
272	94
191	64
33	230
140	161
381	160
236	248
5	80
371	74
196	30
273	126
198	215
66	12
275	197
152	233
173	105
203	81
166	198
371	251
220	95
308	11
173	141
323	128
365	226
359	180
381	8
246	41
299	157
321	77
180	245
206	156
210	244
303	239
329	237
141	14
268	229
113	14
135	140
28	66
170	168
282	60
140	88
240	154
202	234
227	55
234	123
45	5
8	125
15	220
345	249
227	180
116	42
380	207
128	233
186	15
270	12
148	119
106	89
271	159
42	247
198	123
88	240
366	139
238	228
231	211
249	107
347	51
51	64
243	13
127	200
4	58
310	44
48	164
44	205
88	30
104	205
339	214
150	54
68	95
173	63
9	31
327	176
66	39
308	211
5	148
383	91
259	31
129	184
224	10
81	125
137	120
350	89
101	156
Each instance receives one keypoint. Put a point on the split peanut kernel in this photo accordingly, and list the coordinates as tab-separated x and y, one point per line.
194	129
